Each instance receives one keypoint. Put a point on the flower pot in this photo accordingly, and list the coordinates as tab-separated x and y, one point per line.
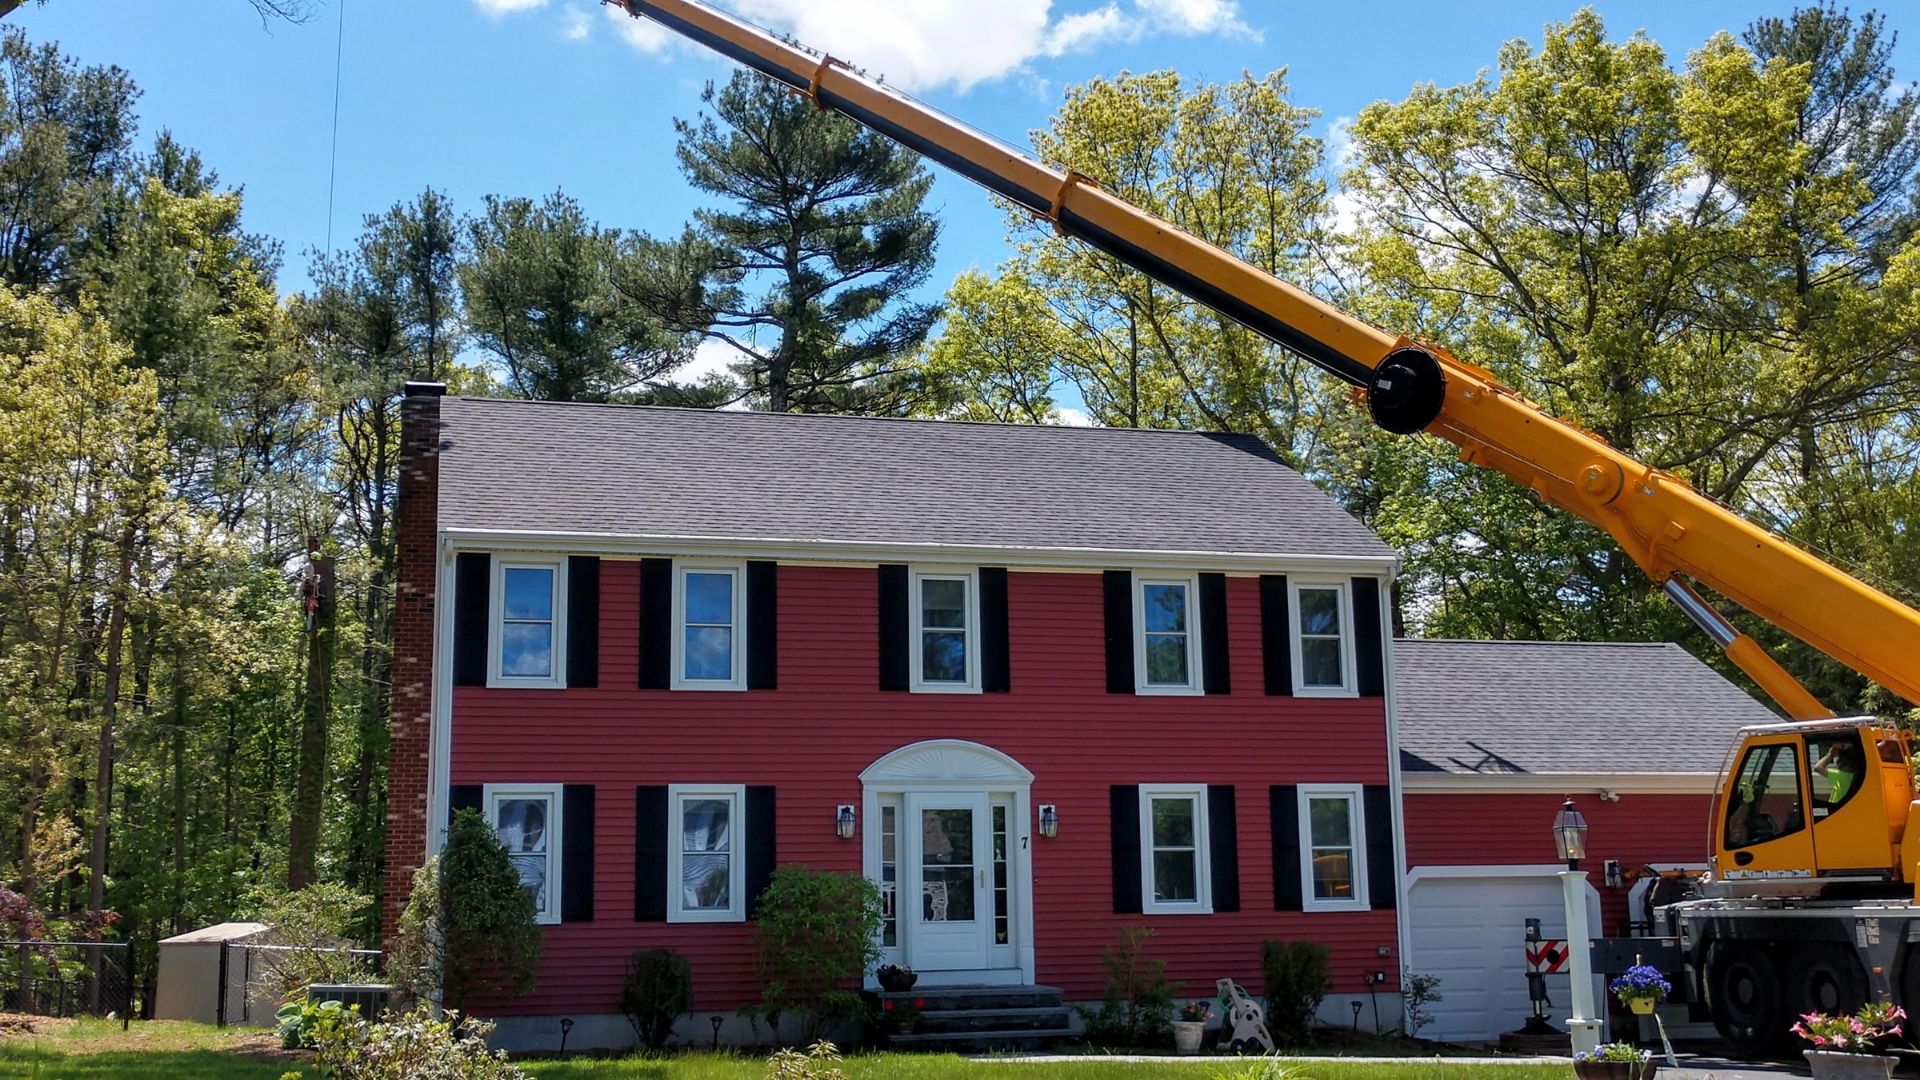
1642	1006
1835	1065
1616	1070
897	982
1186	1035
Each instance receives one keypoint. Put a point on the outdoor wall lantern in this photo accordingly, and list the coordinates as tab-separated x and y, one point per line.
1049	821
1570	834
843	821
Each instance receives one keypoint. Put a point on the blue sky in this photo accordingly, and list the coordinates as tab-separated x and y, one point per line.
523	96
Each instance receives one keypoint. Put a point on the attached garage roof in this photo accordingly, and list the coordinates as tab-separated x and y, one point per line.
632	471
1493	708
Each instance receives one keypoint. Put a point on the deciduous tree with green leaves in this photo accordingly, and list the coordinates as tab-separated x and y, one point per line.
1704	265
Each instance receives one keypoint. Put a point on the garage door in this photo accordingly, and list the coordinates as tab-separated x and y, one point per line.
1467	925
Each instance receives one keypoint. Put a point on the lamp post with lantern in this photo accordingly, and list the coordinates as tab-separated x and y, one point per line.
1570	839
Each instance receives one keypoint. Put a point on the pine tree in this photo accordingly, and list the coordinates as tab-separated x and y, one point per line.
806	275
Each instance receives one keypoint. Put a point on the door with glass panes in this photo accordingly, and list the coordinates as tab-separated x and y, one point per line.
945	872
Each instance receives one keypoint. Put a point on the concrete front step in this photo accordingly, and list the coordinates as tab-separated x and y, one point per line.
979	1019
982	1042
959	1021
956	998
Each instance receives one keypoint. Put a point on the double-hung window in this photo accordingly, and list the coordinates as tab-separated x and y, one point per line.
1166	643
526	817
710	623
1175	877
1322	639
706	860
945	614
1332	844
527	643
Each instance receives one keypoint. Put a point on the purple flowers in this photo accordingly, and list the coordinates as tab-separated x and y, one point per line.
1641	981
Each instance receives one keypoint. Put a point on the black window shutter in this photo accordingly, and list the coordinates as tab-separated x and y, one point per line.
1276	635
1369	649
1118	586
583	623
763	625
996	655
1213	634
762	845
472	579
576	853
1284	800
650	853
1126	849
656	624
893	627
1223	847
1382	882
463	797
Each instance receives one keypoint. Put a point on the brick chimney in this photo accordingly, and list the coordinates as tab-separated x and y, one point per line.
410	746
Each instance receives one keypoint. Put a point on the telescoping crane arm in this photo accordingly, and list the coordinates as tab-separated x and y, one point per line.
1672	531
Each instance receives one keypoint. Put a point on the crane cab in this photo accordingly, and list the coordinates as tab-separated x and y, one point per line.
1807	808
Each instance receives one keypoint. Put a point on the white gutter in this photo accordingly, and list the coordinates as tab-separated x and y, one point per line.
860	551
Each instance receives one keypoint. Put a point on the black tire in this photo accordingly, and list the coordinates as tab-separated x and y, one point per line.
1745	994
1826	979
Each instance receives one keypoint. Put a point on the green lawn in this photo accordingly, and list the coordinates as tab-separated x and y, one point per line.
93	1050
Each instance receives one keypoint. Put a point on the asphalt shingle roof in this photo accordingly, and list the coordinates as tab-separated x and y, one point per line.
516	466
1493	707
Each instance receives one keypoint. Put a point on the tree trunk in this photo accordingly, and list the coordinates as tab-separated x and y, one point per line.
179	751
103	766
310	775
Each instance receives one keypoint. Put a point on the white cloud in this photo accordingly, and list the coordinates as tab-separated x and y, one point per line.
643	34
1088	29
1194	16
931	44
493	9
711	357
575	24
1071	417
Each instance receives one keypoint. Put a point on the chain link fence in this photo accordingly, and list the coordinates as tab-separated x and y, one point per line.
67	978
255	979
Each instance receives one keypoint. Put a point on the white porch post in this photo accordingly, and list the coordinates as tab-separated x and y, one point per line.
1581	1024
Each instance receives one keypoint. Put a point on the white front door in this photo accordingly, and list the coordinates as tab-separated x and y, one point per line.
946	881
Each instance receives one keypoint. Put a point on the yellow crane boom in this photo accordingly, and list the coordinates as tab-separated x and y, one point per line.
1672	531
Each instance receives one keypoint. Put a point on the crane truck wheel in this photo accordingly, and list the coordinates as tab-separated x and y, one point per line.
1826	979
1744	995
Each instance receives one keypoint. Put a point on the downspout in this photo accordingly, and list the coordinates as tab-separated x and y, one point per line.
1397	796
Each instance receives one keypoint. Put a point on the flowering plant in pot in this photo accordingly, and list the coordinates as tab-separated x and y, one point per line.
895	978
1190	1026
903	1016
1615	1061
1641	988
1844	1046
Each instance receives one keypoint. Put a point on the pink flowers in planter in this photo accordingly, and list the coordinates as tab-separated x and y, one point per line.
1855	1034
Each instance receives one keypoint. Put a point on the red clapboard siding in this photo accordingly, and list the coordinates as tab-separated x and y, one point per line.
1485	828
828	721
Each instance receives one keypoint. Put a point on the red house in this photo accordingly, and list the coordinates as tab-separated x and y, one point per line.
1047	681
1493	735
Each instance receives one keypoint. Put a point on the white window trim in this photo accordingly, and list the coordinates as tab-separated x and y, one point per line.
679	658
917	629
1348	686
1355	794
496	609
736	910
555	794
1202	852
1194	683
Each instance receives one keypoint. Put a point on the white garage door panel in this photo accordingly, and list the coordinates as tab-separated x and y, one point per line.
1468	926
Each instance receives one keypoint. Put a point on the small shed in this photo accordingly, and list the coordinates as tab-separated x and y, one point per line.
196	979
